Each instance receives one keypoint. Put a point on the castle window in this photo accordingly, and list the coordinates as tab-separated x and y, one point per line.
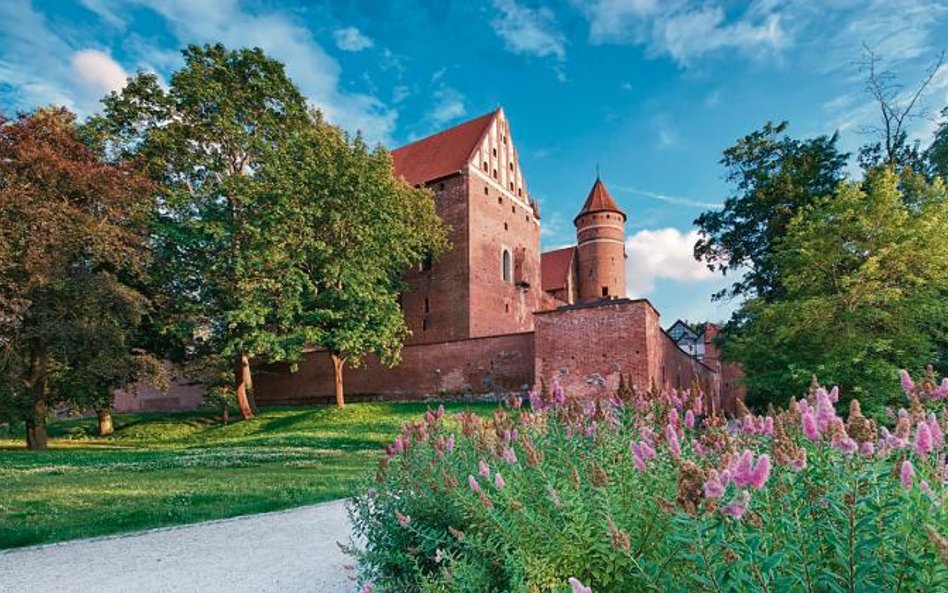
441	187
485	166
505	226
424	324
500	199
527	218
506	307
520	191
486	191
495	151
505	266
495	173
513	209
511	186
605	291
427	305
511	165
504	138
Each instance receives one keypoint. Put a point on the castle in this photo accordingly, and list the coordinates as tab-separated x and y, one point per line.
494	314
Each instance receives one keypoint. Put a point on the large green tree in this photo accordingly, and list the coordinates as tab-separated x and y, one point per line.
864	274
936	156
775	177
359	227
220	239
72	250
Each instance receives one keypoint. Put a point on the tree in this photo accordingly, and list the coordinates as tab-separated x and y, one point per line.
775	176
359	227
865	279
218	244
72	237
897	110
936	156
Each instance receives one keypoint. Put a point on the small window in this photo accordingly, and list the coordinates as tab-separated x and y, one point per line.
504	138
511	186
506	307
500	199
424	324
495	173
505	270
527	218
485	166
520	191
441	187
486	191
511	166
495	151
427	305
513	209
605	291
505	226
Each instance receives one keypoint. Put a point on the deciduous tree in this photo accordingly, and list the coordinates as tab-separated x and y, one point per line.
72	244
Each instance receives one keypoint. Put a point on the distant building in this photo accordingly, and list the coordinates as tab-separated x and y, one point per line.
688	339
494	314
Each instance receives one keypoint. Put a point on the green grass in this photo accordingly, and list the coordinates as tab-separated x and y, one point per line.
169	469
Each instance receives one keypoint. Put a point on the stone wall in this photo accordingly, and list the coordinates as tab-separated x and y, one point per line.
477	367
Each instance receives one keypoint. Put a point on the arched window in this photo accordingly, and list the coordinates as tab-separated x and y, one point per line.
505	266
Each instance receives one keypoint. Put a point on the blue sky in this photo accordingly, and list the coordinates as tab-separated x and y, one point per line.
650	90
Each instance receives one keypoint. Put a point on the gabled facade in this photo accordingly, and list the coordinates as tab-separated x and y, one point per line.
489	282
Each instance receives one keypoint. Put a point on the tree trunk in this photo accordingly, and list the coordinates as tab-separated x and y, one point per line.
105	422
338	362
225	412
244	384
36	438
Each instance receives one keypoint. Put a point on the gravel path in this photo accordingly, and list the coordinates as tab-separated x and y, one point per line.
291	551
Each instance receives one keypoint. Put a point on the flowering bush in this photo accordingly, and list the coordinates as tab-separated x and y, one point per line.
647	493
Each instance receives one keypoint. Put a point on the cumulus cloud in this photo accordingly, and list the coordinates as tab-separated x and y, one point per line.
41	77
685	29
97	71
351	39
529	31
662	254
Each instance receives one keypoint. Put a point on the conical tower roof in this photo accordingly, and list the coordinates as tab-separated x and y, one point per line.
599	200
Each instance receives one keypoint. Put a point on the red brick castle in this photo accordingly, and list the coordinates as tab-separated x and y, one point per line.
494	314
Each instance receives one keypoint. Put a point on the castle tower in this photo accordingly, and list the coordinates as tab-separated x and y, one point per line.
600	237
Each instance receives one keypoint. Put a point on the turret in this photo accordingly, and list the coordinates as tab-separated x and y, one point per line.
600	237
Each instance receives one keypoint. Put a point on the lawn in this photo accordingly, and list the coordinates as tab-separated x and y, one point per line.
169	469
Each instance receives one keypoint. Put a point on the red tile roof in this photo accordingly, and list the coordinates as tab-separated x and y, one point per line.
443	153
555	267
599	200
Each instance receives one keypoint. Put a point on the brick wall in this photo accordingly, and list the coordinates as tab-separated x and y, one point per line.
586	347
475	367
436	302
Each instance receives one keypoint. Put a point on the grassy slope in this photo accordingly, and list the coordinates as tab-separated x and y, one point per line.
167	469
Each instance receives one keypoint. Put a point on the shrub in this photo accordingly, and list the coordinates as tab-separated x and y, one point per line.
649	494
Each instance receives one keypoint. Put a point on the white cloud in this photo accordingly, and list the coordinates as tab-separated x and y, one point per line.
42	77
529	31
678	200
98	72
662	254
351	39
685	29
449	105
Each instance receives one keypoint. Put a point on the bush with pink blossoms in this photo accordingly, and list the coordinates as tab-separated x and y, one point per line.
648	493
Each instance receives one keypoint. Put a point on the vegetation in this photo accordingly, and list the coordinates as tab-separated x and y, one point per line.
840	277
72	255
168	469
646	493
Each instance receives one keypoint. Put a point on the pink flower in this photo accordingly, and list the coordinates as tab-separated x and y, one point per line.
472	482
713	488
748	424
846	445
509	455
578	587
672	437
499	481
908	386
923	440
940	392
744	469
673	417
647	451
403	520
690	419
768	428
738	507
761	472
698	448
483	469
368	587
558	394
799	462
938	436
867	449
449	444
399	445
834	394
809	426
906	473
